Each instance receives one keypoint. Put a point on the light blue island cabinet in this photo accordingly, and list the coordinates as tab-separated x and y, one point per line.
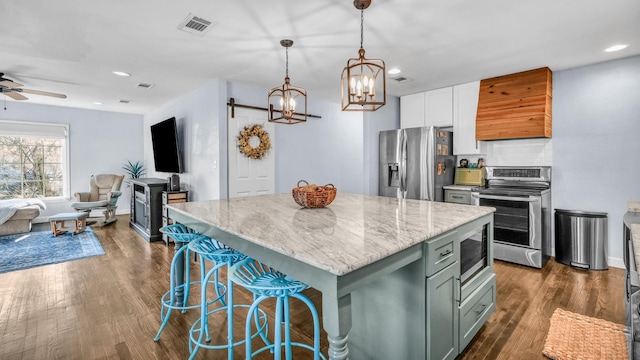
389	269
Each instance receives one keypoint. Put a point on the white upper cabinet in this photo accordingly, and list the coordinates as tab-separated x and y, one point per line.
429	108
438	105
465	107
412	110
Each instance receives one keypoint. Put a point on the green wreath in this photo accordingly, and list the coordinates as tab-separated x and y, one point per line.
245	147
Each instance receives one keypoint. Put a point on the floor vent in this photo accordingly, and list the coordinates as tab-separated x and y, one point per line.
195	25
145	86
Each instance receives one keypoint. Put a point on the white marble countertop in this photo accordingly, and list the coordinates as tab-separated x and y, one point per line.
352	232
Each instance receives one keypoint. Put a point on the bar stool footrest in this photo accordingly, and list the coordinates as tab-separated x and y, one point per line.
196	329
166	298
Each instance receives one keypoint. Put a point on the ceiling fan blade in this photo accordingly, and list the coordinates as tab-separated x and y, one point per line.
45	93
10	84
15	96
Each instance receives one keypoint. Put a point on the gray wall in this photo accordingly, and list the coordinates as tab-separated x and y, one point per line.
100	142
596	141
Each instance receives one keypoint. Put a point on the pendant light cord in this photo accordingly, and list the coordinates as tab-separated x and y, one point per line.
287	61
361	27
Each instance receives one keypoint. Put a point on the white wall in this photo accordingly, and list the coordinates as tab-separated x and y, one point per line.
385	118
331	149
596	131
596	136
322	151
199	122
522	152
100	142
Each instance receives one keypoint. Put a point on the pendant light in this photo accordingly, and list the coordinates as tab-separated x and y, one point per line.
284	100
364	86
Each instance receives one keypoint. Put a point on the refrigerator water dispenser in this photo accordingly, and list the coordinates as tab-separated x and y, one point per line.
394	175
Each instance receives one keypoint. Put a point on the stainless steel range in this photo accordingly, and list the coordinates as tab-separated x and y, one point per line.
522	222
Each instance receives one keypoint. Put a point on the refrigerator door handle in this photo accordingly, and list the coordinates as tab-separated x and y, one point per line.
403	163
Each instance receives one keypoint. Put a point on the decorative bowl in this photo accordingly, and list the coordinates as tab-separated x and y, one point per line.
312	195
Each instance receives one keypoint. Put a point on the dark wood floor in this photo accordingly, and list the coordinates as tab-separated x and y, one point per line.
107	307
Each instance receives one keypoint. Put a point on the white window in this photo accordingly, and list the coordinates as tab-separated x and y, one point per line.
34	160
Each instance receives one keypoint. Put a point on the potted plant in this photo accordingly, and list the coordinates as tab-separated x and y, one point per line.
134	169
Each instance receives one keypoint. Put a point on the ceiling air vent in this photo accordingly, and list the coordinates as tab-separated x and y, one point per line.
145	86
195	25
125	101
401	79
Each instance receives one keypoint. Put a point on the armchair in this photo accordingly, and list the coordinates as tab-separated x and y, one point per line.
104	193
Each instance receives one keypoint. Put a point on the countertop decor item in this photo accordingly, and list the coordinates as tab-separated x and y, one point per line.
312	195
244	142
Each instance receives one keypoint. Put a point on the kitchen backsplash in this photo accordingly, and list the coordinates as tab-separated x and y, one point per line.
525	152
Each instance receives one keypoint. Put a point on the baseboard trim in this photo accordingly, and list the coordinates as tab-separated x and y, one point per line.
615	262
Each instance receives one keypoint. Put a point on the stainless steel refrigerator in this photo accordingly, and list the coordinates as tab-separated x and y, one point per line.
415	163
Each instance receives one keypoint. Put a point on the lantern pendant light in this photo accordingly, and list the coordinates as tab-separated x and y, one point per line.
364	86
284	100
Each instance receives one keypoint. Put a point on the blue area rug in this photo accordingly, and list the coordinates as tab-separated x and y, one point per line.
32	249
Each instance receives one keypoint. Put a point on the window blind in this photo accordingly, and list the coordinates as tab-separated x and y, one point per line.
31	129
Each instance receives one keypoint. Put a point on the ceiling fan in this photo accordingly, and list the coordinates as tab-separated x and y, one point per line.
14	90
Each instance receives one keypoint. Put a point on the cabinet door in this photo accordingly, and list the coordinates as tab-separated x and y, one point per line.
465	108
439	107
475	311
412	110
442	313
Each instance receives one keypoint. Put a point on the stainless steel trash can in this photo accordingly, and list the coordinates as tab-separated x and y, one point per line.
581	239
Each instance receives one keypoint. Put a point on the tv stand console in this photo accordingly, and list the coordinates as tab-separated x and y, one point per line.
146	207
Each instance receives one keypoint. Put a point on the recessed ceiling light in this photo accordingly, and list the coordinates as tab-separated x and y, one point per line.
121	73
97	103
616	47
394	71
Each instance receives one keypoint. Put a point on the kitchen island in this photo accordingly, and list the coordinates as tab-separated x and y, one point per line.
388	268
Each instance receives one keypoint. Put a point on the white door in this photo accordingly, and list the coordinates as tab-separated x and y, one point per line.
249	177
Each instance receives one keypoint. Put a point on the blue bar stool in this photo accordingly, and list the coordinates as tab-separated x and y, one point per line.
177	297
220	255
265	282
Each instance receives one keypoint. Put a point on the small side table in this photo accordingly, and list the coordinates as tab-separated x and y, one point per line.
79	222
171	197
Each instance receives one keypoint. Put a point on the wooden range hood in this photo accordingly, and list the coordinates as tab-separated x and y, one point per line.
515	106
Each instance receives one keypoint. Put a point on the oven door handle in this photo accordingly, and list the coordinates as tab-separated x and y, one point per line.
506	198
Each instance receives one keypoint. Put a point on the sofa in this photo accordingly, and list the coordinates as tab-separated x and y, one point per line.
20	222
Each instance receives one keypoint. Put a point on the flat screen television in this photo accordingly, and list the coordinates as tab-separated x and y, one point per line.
166	149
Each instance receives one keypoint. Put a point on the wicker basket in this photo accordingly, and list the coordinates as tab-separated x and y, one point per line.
313	196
